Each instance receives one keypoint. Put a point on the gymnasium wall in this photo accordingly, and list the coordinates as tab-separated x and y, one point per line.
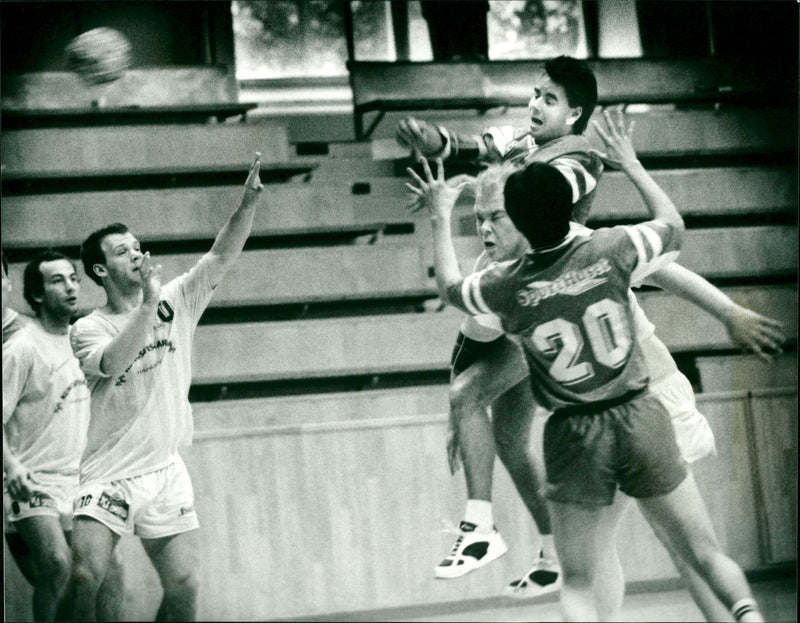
320	367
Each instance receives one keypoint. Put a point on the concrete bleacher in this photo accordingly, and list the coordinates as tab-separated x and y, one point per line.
297	494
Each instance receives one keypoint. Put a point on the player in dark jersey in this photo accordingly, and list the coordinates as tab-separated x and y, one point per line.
566	301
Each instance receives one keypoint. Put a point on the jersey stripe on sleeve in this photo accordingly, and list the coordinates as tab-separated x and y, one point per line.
580	180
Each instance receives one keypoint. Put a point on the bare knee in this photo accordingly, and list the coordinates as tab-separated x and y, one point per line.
183	587
462	395
55	567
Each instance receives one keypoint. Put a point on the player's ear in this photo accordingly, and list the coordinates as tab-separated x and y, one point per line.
574	115
100	270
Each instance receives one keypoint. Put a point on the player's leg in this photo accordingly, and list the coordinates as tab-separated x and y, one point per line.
111	595
580	452
93	544
578	529
705	598
512	422
609	581
474	386
44	557
168	528
695	441
682	518
176	559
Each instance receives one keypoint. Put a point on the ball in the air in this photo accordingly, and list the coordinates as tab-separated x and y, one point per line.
100	55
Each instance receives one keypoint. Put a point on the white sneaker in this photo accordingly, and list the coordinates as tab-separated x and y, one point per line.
543	578
472	550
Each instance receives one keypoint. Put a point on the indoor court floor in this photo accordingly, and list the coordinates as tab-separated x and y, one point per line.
777	598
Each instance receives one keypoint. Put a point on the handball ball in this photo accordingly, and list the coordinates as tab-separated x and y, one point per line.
100	55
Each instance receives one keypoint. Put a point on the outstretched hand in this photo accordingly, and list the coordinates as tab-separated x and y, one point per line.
419	136
434	193
253	185
619	151
755	332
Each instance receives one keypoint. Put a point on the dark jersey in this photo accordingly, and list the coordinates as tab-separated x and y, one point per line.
570	310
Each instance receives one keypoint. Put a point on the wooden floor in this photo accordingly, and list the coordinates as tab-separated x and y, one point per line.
777	598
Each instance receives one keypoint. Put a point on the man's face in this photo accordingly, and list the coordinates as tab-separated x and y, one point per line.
551	115
123	255
501	240
61	286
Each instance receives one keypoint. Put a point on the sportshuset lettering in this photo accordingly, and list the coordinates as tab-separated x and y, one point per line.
158	344
571	283
63	397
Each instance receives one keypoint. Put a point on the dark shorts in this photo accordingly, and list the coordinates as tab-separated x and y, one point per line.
589	452
468	351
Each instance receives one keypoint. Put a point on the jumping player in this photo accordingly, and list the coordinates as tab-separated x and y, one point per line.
564	97
45	417
569	291
136	354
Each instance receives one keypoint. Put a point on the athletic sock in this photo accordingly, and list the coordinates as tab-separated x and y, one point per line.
746	610
479	512
549	547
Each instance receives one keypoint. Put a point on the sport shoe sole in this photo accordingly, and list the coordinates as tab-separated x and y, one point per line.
532	589
475	555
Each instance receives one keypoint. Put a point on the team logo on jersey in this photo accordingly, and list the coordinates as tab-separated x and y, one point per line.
41	500
571	283
114	505
165	311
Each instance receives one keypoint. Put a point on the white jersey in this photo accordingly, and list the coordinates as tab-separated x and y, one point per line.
141	417
483	327
45	403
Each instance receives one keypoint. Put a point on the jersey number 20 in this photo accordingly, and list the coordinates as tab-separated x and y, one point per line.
604	325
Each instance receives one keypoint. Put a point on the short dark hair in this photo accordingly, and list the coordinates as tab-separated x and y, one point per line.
33	280
92	251
538	200
579	83
5	262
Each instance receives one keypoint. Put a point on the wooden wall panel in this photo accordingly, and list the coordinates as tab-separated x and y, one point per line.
774	417
738	372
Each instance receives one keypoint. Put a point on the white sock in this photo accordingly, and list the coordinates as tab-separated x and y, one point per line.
479	512
549	547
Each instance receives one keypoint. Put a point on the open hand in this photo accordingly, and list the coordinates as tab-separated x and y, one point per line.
151	280
619	151
434	193
755	332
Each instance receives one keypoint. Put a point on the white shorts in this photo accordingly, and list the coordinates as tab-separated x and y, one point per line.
52	498
692	432
151	506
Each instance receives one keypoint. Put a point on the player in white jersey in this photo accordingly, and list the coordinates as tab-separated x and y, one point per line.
570	291
45	417
136	354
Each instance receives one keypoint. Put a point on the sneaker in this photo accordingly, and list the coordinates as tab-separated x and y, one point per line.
472	550
543	578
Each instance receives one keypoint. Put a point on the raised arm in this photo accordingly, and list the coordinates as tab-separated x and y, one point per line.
121	350
439	199
621	155
231	238
746	328
436	141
